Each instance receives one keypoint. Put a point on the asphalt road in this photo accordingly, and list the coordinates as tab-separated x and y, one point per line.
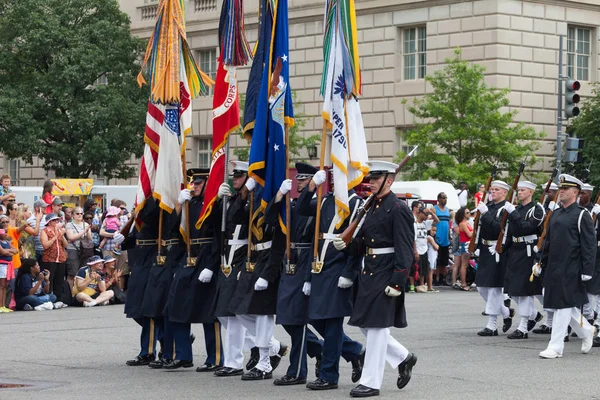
80	353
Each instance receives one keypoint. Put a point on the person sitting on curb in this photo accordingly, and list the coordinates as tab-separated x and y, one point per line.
89	289
32	289
111	280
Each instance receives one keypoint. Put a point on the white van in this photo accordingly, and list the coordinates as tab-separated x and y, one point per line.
427	191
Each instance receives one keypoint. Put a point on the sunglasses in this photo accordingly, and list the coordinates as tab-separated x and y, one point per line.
78	213
467	212
123	208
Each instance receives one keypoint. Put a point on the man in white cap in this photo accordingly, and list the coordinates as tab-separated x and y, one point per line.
523	229
568	259
386	241
585	197
490	273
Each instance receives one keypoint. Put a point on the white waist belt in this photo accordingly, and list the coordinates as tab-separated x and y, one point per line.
489	242
237	242
262	246
381	250
528	238
328	236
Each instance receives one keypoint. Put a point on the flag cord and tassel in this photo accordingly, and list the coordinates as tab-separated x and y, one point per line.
315	265
160	259
288	205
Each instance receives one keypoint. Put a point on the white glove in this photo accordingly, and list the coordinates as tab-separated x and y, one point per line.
390	291
492	249
224	190
344	283
536	269
596	209
238	275
509	207
552	206
261	284
205	275
250	184
339	243
482	208
585	278
118	238
184	196
306	288
476	254
285	187
319	177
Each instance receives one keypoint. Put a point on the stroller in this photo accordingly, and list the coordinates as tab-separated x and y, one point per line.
471	271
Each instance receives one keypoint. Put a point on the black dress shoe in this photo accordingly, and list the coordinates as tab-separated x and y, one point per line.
159	363
596	342
508	321
175	364
318	367
517	334
357	367
207	368
228	371
531	323
256	374
488	332
484	313
405	370
288	380
543	330
320	384
140	360
254	356
276	359
363	391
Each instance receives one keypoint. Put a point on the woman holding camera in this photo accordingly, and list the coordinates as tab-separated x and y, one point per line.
33	288
54	255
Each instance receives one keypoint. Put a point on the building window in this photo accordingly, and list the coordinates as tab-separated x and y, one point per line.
208	62
204	152
13	168
415	53
579	51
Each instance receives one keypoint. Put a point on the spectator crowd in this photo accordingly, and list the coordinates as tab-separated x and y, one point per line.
54	255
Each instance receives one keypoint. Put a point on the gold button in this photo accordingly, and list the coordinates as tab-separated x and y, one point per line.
374	255
377	206
372	240
371	274
364	272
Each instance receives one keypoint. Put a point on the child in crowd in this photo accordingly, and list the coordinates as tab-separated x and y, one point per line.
432	253
6	271
112	224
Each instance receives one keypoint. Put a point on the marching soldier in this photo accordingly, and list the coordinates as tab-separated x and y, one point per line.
524	228
142	250
234	253
568	259
292	303
585	198
331	296
255	298
490	273
386	241
593	286
192	290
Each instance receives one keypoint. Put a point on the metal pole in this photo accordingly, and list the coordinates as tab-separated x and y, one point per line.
559	110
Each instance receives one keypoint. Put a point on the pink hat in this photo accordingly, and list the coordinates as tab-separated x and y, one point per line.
112	210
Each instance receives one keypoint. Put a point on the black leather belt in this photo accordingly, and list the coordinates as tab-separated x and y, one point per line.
201	241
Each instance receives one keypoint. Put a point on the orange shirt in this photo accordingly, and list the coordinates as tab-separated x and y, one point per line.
15	235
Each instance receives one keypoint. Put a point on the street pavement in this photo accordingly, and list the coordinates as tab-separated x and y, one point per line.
80	353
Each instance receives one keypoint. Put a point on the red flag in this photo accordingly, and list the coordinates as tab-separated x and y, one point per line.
226	119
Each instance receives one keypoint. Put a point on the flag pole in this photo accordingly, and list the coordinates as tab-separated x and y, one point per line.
249	266
160	259
319	199
191	261
288	205
225	202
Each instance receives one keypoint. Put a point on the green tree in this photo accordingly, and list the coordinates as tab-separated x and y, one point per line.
297	142
462	131
68	93
587	126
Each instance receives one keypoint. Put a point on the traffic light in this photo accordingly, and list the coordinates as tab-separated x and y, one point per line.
574	152
571	98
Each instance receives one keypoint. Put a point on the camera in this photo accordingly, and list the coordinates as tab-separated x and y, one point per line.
45	273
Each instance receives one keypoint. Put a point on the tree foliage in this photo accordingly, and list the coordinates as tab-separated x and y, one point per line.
297	141
587	126
52	106
462	130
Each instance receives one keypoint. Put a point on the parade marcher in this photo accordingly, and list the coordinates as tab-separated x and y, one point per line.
490	273
255	298
568	259
192	290
292	303
523	230
585	197
331	296
142	245
234	253
593	286
386	242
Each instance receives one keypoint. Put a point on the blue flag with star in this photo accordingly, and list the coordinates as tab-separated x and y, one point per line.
274	111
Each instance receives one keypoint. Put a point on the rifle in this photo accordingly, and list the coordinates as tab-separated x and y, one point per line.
547	189
349	232
540	242
512	196
475	236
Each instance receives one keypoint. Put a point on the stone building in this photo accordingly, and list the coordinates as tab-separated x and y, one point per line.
400	41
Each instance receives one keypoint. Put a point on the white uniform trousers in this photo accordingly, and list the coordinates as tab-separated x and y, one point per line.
380	346
563	317
494	304
549	312
591	306
527	310
233	342
262	327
